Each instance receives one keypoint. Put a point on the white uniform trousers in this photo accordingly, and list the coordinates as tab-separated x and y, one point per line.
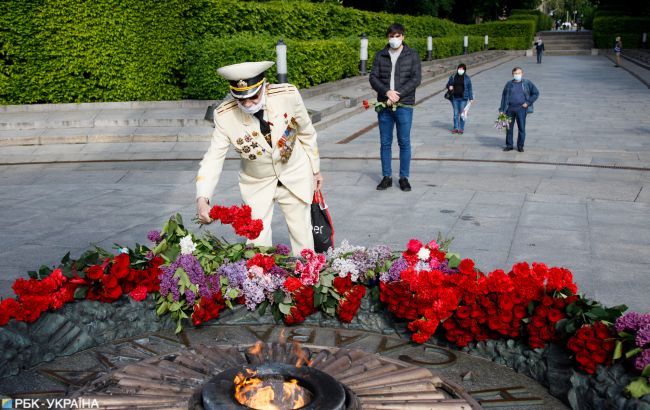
296	213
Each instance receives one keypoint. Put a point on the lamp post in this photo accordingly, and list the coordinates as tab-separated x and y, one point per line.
429	47
465	44
281	63
363	55
485	43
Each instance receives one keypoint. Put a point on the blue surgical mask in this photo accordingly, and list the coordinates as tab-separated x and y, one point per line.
461	72
517	77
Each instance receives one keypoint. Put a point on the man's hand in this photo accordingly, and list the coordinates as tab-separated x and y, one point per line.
451	88
525	105
203	210
393	96
318	181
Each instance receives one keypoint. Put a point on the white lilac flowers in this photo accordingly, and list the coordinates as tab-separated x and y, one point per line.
187	245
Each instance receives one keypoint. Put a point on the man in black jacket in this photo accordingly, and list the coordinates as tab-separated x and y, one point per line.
395	74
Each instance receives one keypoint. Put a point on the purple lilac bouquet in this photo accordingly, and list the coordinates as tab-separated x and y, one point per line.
634	330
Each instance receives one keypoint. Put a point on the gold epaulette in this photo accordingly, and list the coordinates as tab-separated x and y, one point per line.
275	89
226	106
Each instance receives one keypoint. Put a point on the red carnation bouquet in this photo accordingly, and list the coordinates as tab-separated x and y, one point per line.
303	301
105	282
593	345
351	296
421	294
240	218
208	308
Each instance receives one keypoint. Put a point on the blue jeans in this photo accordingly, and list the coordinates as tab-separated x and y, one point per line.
459	105
539	57
519	116
401	119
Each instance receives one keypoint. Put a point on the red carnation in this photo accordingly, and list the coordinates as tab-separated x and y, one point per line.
602	331
9	308
139	293
555	315
466	266
462	312
263	261
342	285
414	246
120	266
95	272
292	284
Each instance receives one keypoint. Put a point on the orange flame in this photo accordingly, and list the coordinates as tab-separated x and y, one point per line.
256	393
257	348
301	354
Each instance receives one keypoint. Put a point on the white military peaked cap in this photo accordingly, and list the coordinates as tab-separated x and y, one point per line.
245	79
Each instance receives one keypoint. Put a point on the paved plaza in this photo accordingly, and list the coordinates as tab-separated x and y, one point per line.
579	196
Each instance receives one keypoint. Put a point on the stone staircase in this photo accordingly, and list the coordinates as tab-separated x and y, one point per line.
564	43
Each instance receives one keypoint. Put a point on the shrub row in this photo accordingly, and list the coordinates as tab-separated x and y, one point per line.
307	20
519	33
309	62
54	51
631	29
77	51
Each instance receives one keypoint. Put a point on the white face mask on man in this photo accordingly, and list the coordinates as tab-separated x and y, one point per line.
461	71
395	42
517	77
253	108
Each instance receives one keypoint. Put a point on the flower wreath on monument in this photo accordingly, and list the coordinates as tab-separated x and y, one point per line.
194	278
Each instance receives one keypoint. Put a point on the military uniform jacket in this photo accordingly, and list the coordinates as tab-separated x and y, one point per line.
292	160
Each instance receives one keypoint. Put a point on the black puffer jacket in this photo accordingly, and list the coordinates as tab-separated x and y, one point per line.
408	74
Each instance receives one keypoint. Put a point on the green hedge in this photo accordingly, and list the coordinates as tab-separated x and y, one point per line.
305	20
519	33
77	51
119	50
309	62
631	29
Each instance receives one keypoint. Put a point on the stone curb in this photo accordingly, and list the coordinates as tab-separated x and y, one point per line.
174	121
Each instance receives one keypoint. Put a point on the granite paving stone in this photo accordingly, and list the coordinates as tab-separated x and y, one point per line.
594	220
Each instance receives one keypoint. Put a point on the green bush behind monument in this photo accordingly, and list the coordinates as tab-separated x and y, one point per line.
59	51
607	27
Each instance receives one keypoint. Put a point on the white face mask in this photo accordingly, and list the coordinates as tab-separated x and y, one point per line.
395	42
461	72
253	108
517	77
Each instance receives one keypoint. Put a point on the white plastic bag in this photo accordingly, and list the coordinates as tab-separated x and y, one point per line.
466	111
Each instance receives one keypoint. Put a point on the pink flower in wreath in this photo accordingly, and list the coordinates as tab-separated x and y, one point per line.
310	271
433	245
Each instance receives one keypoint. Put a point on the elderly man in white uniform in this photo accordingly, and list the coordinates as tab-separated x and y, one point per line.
270	129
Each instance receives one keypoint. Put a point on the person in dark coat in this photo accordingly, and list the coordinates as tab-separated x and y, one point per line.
396	72
517	101
539	47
